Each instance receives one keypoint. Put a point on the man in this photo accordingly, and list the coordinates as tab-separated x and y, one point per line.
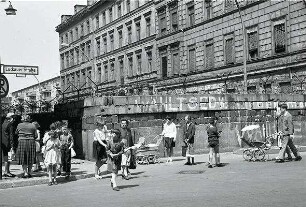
169	134
285	127
188	136
213	142
126	134
7	142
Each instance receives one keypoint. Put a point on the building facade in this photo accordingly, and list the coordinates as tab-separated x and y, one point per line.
37	98
173	47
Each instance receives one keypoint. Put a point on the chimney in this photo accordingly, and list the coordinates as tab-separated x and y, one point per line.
90	2
65	17
78	8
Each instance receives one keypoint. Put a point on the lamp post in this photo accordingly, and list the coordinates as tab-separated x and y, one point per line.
9	11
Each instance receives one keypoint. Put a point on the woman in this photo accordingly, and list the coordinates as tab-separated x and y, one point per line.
99	147
26	151
169	134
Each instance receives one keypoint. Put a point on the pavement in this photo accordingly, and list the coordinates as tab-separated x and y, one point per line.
82	169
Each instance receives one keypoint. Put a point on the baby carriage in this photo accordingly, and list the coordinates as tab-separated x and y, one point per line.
149	153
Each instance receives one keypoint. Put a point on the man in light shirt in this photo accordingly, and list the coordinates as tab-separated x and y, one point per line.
169	133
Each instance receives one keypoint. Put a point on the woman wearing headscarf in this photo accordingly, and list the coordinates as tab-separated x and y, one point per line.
26	151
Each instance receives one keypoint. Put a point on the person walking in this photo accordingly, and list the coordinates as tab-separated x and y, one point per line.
67	143
169	133
7	143
126	135
38	149
188	136
213	142
286	130
26	151
99	147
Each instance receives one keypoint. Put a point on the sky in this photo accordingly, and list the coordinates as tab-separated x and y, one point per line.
29	38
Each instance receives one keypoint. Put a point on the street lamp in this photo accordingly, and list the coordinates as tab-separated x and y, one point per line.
10	10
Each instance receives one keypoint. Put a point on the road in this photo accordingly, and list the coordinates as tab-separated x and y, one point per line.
238	183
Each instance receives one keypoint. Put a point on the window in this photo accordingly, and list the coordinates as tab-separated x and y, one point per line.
71	57
82	30
78	79
119	10
148	27
97	22
137	31
174	21
66	38
162	22
99	75
77	55
279	38
112	69
191	19
103	19
89	77
149	57
62	61
251	89
192	59
175	62
128	6
67	59
77	33
83	52
105	44
62	39
208	9
285	87
88	50
130	59
110	14
120	38
229	5
164	66
121	72
71	36
98	43
139	68
88	27
210	55
253	44
229	50
136	3
105	73
111	38
129	35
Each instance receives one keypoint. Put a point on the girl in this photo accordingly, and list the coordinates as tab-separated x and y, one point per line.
99	147
53	156
66	140
114	151
169	133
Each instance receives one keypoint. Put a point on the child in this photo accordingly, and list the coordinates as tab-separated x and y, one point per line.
38	151
53	156
213	142
66	140
126	158
114	151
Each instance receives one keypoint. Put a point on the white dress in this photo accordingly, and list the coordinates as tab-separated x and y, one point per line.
53	155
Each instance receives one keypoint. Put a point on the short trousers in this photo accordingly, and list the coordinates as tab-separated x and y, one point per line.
5	150
168	142
215	147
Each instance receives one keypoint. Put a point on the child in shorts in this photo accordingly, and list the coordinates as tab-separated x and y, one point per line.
213	142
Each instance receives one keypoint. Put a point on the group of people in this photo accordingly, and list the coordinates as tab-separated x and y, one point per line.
55	152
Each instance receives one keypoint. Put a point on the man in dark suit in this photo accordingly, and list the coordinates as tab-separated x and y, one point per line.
188	136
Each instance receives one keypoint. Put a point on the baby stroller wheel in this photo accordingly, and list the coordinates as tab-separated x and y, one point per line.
247	154
259	155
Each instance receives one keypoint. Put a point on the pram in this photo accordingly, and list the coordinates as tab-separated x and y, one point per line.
256	150
149	153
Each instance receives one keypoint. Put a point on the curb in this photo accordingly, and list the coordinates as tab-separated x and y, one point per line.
41	181
274	150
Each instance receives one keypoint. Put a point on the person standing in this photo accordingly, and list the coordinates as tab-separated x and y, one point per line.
126	134
213	142
7	143
285	128
67	143
188	136
26	151
169	133
99	147
38	149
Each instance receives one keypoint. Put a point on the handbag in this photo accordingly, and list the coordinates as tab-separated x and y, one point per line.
173	144
73	154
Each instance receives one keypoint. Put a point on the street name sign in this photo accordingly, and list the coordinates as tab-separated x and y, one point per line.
4	86
20	69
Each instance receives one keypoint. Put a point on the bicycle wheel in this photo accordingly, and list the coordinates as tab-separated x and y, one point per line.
259	155
247	154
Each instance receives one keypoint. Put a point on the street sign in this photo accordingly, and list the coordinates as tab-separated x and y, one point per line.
4	86
20	69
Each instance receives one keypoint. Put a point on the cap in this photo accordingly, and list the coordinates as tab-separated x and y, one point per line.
9	115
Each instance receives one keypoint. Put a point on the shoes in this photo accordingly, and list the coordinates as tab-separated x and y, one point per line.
59	173
298	158
116	188
219	165
98	177
24	176
210	166
111	183
29	176
289	158
280	161
50	183
187	163
8	175
194	163
55	182
125	177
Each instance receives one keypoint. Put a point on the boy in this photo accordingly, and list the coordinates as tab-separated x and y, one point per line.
213	142
66	140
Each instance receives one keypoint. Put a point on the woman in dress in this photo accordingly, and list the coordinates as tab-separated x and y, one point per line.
99	147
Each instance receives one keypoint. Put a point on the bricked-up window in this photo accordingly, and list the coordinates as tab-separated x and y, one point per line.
164	66
120	37
121	68
267	88
105	73
210	59
67	59
98	43
285	87
77	55
253	44
89	78
208	9
88	26
82	30
175	62
191	16
128	6
83	52
174	17
136	3
62	61
229	50
71	36
66	38
112	70
130	60
119	10
148	27
280	38
192	58
88	50
103	19
229	5
105	44
251	89
78	79
111	38
137	24
139	62
77	33
149	59
99	75
110	14
71	57
129	34
231	90
97	22
162	22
